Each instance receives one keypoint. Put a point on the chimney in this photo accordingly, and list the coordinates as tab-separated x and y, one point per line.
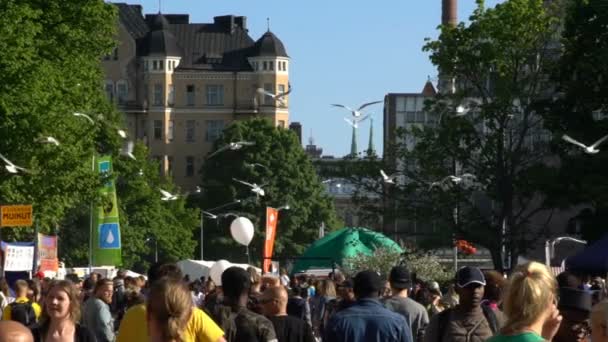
449	12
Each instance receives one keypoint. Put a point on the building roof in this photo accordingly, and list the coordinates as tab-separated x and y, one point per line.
269	45
160	40
132	19
223	45
429	89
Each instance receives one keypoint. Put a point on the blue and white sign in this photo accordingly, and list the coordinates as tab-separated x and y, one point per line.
109	236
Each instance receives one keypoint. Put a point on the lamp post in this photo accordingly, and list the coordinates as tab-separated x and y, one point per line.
203	220
550	247
155	247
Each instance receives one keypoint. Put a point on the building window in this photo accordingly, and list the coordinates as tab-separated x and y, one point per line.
190	95
158	94
270	65
281	88
158	129
142	128
169	165
154	65
213	130
174	64
265	65
161	65
190	130
189	166
215	95
281	124
169	65
115	53
171	99
110	90
268	100
171	130
122	92
145	65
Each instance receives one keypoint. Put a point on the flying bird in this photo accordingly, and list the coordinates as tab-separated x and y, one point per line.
356	112
10	167
82	115
356	120
167	196
122	133
254	165
127	150
277	97
465	177
48	140
233	146
257	189
588	149
389	179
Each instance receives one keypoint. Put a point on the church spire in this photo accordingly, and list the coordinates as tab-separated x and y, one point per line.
353	144
370	146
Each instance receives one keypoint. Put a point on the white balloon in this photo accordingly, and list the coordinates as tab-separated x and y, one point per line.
242	230
217	269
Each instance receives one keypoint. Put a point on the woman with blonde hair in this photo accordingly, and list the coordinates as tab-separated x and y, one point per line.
599	322
530	306
168	310
60	316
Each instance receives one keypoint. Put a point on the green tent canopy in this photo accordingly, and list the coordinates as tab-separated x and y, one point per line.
341	244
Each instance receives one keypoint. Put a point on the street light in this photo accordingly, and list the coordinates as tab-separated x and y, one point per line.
550	247
155	248
209	211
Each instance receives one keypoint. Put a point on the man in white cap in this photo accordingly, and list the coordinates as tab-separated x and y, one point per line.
469	321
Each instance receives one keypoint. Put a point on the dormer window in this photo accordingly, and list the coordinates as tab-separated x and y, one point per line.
271	64
265	65
161	65
154	65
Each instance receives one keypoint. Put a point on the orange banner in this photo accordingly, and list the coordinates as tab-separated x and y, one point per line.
272	216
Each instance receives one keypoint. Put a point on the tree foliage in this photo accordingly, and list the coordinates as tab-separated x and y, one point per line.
50	53
287	177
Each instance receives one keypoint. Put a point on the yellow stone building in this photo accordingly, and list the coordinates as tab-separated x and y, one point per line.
180	83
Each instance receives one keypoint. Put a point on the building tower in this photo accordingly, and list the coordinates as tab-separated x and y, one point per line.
449	17
353	144
370	146
270	63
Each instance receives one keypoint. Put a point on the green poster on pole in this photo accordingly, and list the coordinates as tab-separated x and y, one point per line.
106	226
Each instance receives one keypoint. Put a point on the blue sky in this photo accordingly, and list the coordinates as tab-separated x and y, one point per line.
341	51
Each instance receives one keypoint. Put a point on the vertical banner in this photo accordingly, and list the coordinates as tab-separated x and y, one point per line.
272	215
106	227
47	253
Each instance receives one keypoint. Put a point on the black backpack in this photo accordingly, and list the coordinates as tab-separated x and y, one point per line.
444	316
23	313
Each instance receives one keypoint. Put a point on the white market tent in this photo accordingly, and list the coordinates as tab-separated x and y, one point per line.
200	268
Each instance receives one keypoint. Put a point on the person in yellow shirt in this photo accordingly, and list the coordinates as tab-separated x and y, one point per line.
22	310
200	327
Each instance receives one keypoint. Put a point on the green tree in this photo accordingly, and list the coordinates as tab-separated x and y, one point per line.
287	176
49	69
579	111
499	64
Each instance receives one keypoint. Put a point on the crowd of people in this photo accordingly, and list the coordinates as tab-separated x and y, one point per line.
530	305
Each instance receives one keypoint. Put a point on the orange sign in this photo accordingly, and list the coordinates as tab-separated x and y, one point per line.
16	216
272	215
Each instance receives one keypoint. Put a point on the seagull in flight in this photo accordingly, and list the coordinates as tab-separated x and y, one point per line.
167	196
357	112
233	146
127	150
82	115
356	120
588	149
465	177
257	189
388	179
277	97
10	167
254	165
48	140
